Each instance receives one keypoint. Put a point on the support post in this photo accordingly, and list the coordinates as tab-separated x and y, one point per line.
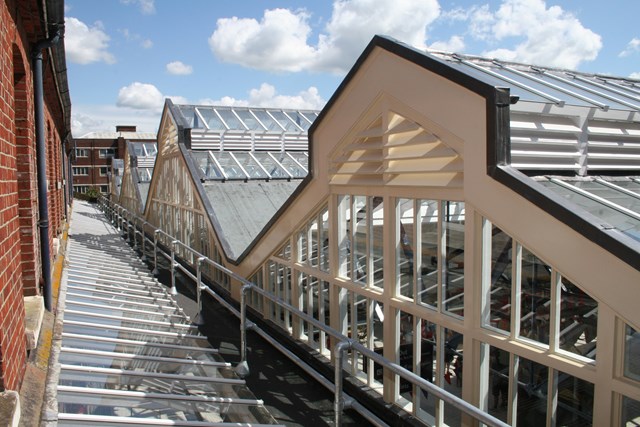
173	268
199	319
155	252
339	402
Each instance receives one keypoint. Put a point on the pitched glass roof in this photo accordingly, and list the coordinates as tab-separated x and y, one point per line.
246	119
550	85
615	201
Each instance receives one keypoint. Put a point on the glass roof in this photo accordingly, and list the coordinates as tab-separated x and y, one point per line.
540	84
251	165
616	202
218	118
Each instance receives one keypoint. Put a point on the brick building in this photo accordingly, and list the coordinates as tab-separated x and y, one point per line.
94	153
34	140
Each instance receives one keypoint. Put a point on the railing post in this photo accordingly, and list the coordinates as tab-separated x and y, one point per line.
339	402
173	268
155	252
199	320
135	232
144	238
243	367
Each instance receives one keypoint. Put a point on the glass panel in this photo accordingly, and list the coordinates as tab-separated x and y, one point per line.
299	119
323	238
150	148
301	157
188	113
630	412
212	119
428	283
139	407
578	321
303	247
138	149
310	115
313	237
535	298
249	120
610	194
229	165
149	348
273	168
266	120
344	236
230	119
428	351
106	332
632	353
629	185
453	267
285	251
284	121
139	364
452	373
250	165
531	393
575	401
500	286
377	241
360	237
293	168
207	166
625	223
404	249
498	382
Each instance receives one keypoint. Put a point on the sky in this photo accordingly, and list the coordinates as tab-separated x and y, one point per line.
124	57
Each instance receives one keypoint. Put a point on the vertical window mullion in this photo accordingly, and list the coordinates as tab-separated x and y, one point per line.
441	256
554	311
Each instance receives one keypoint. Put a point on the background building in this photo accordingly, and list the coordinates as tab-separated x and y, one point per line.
34	197
93	155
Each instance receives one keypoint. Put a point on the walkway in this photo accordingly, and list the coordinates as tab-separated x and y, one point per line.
128	354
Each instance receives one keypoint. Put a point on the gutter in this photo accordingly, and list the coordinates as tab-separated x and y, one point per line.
41	160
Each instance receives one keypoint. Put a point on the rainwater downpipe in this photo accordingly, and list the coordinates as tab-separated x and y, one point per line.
41	160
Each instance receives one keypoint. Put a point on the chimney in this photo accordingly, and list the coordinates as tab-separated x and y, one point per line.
125	128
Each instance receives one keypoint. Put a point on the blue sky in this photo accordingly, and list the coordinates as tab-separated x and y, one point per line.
125	56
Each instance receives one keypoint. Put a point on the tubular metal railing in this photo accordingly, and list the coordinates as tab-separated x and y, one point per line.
132	225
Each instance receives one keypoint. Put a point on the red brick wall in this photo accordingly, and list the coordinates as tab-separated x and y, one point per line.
12	338
20	264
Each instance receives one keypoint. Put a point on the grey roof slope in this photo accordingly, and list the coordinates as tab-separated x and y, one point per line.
244	208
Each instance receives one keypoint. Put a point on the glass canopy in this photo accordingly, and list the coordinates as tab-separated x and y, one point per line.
217	118
251	165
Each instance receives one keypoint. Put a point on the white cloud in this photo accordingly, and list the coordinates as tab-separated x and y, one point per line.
101	118
145	43
454	44
178	68
84	44
277	43
147	7
632	47
280	40
140	96
552	36
267	96
635	75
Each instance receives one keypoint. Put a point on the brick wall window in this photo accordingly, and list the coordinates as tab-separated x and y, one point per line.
81	189
78	171
104	171
82	152
104	189
106	153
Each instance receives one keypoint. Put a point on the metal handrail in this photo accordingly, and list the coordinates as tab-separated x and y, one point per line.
345	343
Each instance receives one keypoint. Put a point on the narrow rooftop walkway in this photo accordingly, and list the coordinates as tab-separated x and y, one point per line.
128	354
